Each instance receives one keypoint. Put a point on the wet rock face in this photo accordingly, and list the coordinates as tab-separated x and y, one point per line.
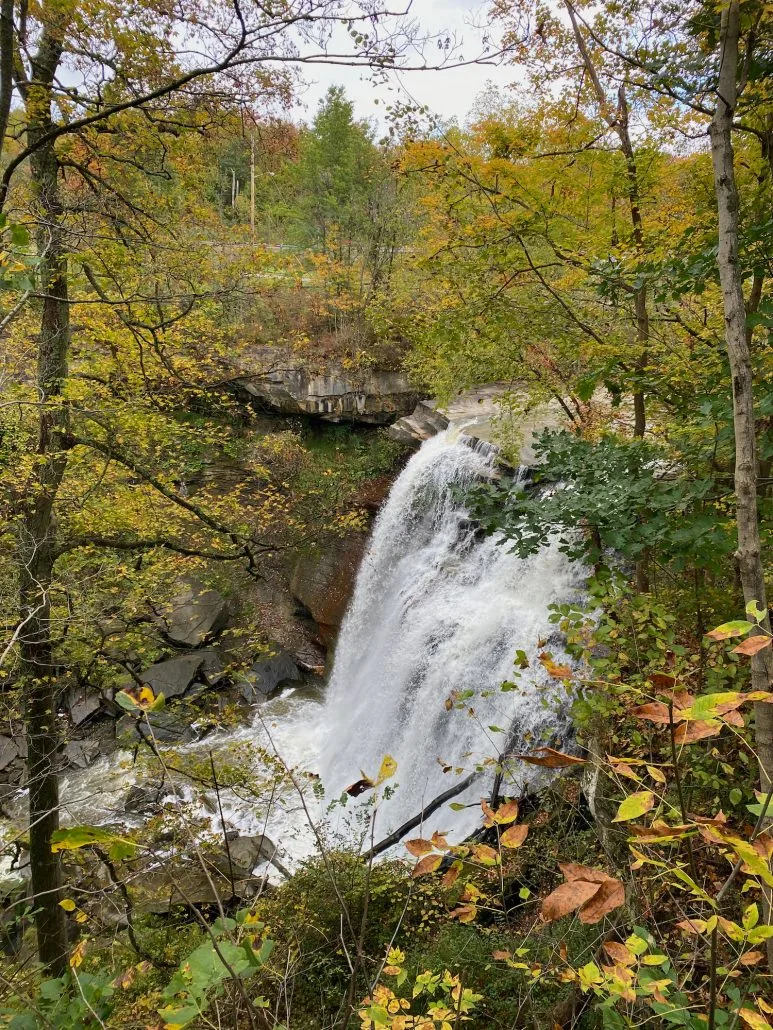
370	396
267	675
323	582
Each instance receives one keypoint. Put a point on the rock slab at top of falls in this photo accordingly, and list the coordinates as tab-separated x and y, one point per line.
475	413
288	384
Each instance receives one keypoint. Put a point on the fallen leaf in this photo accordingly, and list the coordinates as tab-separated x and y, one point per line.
656	774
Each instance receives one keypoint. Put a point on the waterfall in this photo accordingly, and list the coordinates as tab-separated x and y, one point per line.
439	610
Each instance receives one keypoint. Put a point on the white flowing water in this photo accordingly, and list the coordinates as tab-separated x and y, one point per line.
438	613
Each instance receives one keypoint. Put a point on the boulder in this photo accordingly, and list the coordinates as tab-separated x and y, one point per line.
212	668
142	799
8	752
323	582
425	421
373	396
197	613
267	674
82	703
78	754
173	677
243	854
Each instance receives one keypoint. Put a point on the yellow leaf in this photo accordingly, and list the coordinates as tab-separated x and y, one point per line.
387	770
753	1019
635	805
68	904
656	774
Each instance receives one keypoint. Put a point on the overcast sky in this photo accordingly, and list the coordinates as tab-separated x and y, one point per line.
448	93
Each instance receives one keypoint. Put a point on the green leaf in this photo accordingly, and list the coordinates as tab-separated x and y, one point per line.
126	701
79	837
736	796
754	610
737	628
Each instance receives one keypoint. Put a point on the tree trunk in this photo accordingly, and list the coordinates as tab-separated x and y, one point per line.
739	357
37	544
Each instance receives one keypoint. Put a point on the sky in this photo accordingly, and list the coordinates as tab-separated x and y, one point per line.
448	94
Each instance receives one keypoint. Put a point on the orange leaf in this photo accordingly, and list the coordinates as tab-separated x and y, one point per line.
619	954
506	813
566	899
419	846
751	958
663	680
484	854
689	732
572	871
514	836
427	865
439	841
451	874
655	711
753	644
609	896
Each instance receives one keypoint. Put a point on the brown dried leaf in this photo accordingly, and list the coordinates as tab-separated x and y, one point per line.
514	836
751	958
419	846
619	954
654	711
551	759
360	786
753	644
427	865
573	871
566	899
451	875
689	732
609	896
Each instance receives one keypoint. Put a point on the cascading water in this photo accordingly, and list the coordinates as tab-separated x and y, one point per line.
438	610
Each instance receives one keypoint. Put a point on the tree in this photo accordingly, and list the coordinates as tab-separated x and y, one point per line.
83	75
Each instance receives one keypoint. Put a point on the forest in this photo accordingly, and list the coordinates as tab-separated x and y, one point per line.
385	518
